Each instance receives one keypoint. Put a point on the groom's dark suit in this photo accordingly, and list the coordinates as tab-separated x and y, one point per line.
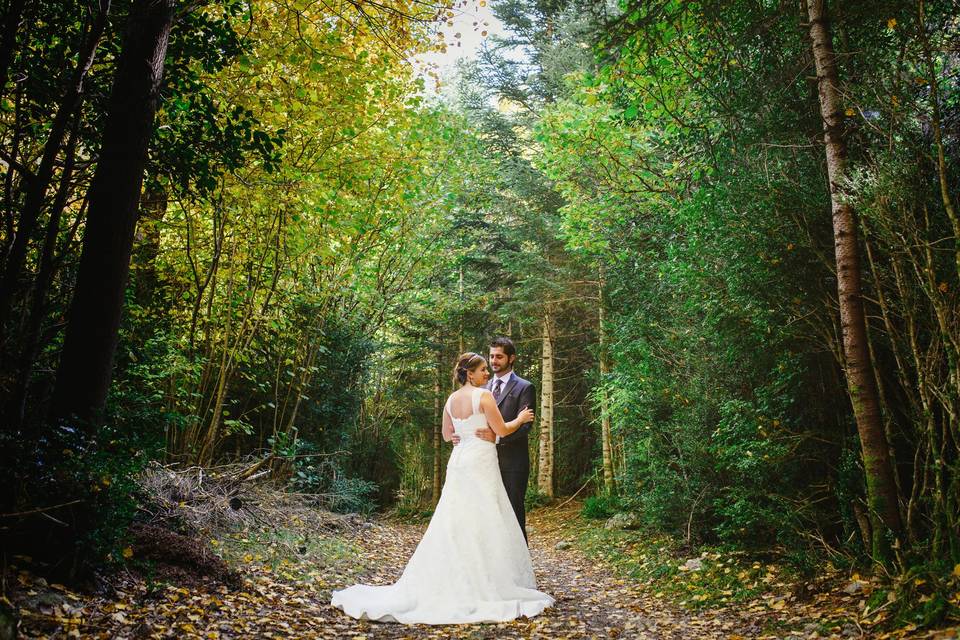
512	450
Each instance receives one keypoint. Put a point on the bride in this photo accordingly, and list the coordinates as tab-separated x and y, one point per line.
472	564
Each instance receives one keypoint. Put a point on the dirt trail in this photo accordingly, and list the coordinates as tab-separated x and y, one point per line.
287	596
590	602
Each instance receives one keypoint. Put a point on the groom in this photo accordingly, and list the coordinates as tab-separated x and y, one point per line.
512	394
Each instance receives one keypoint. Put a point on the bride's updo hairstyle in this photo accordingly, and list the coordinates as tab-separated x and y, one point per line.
467	362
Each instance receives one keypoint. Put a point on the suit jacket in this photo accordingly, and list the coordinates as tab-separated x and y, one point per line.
518	393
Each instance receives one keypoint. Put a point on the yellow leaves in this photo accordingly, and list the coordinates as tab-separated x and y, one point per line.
943	288
956	571
891	23
128	553
596	592
850	111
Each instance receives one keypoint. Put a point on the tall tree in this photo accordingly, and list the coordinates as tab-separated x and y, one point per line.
881	485
86	363
546	446
606	437
39	181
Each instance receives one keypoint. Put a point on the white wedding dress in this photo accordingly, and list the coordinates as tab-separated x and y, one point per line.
472	564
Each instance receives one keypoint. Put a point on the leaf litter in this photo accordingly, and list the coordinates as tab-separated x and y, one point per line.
288	572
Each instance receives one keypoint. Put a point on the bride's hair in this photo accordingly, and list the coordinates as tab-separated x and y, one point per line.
467	362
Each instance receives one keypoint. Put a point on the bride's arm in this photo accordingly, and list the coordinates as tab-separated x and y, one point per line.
495	419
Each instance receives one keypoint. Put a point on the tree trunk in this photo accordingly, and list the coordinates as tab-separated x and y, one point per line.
9	217
605	431
32	340
437	428
545	458
153	208
37	184
882	499
86	363
460	346
935	123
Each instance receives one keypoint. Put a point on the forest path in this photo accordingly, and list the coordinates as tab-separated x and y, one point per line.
289	575
591	602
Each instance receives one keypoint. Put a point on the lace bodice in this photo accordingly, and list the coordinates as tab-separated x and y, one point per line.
467	427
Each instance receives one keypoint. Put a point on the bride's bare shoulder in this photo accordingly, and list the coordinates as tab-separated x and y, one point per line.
486	396
453	397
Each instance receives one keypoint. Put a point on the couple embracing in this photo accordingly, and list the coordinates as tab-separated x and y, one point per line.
472	564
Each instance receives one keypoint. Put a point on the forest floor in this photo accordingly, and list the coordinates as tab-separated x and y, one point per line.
607	583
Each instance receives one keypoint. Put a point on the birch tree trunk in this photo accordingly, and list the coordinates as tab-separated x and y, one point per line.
884	511
545	457
461	348
437	426
605	437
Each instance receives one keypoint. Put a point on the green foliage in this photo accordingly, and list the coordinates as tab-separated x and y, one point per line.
600	507
535	499
321	240
698	200
87	486
317	474
353	495
725	578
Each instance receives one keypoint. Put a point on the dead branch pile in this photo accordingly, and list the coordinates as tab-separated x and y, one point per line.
210	501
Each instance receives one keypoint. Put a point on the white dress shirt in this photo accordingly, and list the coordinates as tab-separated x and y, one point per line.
505	378
503	387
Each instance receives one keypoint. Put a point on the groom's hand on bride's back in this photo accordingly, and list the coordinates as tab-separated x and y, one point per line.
487	434
455	439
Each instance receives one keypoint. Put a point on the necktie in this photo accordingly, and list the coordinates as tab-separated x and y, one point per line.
496	388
